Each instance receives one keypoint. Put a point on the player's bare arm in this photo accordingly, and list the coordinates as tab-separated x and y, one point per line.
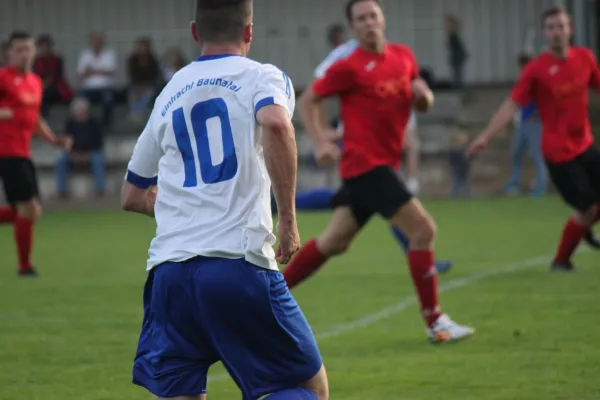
137	200
423	96
323	137
44	131
281	159
501	119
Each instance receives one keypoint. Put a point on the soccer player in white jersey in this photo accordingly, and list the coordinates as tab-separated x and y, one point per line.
323	198
219	133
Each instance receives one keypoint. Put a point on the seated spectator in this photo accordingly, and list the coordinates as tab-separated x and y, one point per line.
97	68
144	75
173	62
3	54
87	148
49	66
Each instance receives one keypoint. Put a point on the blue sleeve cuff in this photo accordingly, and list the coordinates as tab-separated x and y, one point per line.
267	101
139	181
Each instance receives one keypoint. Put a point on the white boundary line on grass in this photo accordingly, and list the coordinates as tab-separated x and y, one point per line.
371	319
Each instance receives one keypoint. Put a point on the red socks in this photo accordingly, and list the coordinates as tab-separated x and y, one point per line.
23	235
24	239
572	234
305	263
424	275
7	215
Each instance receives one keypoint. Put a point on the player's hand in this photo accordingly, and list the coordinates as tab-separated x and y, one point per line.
289	240
6	113
327	152
332	135
420	87
64	142
477	146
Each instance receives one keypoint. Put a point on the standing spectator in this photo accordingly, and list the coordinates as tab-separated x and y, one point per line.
87	149
336	35
528	134
97	68
49	66
173	62
144	75
3	54
460	166
457	52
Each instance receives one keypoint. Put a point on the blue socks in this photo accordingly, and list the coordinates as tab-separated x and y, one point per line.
314	200
293	394
401	238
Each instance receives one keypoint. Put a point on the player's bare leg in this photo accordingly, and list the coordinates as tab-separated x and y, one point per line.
27	213
335	240
339	233
575	229
413	219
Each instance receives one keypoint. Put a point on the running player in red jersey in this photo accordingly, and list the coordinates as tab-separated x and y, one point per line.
20	100
377	85
558	81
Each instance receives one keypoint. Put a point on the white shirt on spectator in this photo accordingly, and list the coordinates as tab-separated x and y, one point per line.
105	60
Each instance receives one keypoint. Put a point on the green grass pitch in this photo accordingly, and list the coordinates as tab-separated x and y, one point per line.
72	332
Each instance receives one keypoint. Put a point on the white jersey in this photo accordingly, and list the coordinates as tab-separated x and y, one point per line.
204	149
342	52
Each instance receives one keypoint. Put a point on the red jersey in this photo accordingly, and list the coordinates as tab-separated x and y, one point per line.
375	90
22	94
559	87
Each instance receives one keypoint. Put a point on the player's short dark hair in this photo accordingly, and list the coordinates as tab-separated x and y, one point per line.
18	35
553	12
523	59
350	7
222	21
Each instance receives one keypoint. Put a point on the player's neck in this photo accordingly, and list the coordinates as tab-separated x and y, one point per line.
23	70
215	49
560	53
374	47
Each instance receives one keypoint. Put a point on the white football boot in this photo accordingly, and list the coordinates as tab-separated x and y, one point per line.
446	330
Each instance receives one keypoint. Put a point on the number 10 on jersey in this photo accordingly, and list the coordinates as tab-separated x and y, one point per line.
200	114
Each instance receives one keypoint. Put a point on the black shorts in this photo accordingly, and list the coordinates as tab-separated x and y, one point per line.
578	180
19	179
379	191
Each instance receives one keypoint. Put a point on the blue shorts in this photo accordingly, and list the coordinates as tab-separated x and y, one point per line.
206	310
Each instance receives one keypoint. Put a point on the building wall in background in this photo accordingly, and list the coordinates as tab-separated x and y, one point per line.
289	33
